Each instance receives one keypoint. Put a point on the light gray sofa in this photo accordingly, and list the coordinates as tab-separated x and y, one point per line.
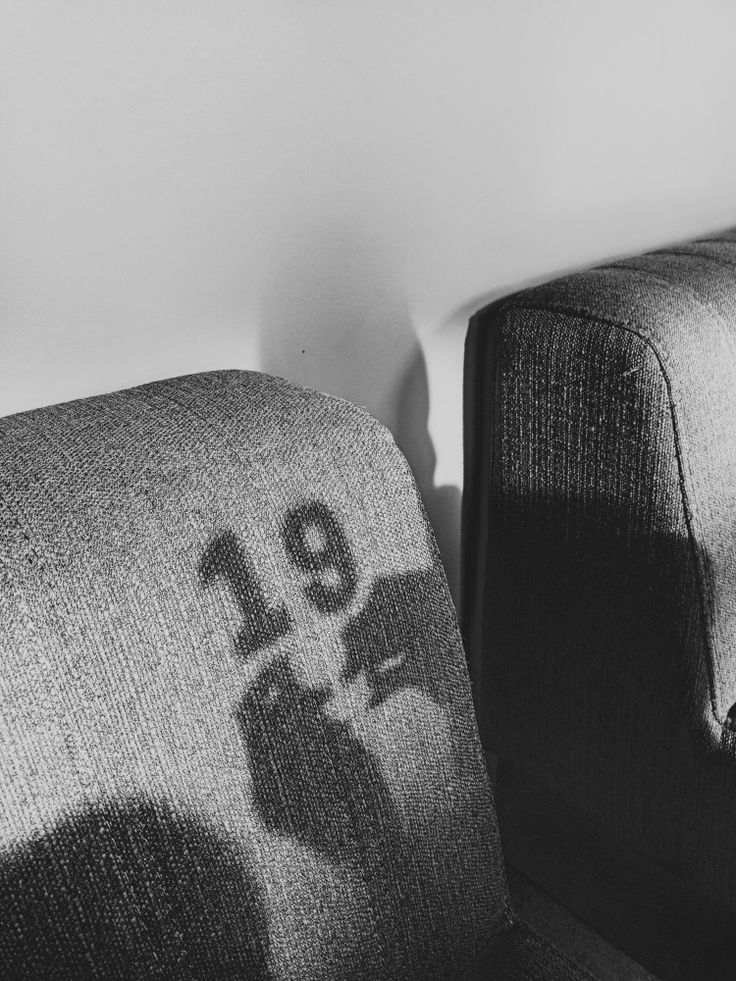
600	592
236	729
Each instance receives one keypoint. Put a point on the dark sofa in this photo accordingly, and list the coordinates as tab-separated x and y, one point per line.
599	592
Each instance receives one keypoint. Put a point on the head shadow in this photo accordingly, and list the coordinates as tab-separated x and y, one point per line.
313	779
131	889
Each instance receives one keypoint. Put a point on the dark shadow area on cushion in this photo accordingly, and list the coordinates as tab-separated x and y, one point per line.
613	599
130	890
597	630
520	954
226	558
318	779
394	638
594	617
588	628
316	782
313	780
317	544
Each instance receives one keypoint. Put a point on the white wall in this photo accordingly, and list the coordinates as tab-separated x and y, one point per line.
325	189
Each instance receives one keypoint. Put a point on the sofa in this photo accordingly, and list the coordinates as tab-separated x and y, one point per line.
599	592
237	737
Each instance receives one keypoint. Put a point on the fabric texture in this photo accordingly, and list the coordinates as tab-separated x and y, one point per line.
520	954
236	728
600	522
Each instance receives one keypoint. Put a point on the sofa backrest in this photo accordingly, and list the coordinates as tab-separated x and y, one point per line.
635	357
236	732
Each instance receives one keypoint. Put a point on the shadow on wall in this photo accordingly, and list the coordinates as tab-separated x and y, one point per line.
335	319
442	503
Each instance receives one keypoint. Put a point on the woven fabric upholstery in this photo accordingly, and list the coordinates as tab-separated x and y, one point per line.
520	954
600	559
236	730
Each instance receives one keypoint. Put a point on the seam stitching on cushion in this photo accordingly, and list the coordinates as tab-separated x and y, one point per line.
683	461
583	312
669	283
692	255
700	241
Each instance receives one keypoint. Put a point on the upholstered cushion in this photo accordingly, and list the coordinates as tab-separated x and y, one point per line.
236	732
669	319
600	558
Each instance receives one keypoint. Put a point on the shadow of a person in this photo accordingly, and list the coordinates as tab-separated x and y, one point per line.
394	639
313	779
131	889
316	782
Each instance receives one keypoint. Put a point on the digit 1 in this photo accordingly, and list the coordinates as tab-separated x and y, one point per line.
330	554
225	558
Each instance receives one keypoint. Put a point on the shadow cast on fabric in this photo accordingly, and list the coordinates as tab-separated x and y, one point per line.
313	779
614	603
226	558
394	638
601	606
130	890
315	782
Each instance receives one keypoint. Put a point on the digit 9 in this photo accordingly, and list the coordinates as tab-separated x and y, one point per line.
316	543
